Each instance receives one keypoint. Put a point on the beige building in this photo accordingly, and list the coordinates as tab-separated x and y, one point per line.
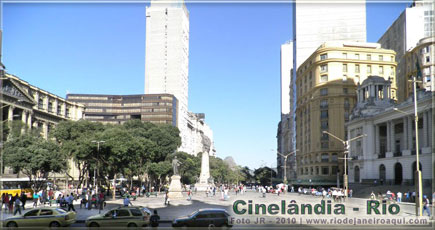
36	108
326	93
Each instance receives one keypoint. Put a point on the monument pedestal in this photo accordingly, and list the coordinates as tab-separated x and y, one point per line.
203	183
175	188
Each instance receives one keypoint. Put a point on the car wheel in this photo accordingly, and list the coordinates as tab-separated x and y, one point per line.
94	225
54	224
132	225
12	225
211	227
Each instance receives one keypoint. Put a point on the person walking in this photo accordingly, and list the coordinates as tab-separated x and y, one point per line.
35	199
166	197
23	200
70	200
399	196
426	205
17	205
408	194
127	201
154	219
11	204
101	200
350	193
6	202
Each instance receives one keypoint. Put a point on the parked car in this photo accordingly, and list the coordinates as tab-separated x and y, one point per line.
132	216
41	217
210	217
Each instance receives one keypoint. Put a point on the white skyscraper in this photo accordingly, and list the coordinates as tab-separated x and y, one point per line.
167	55
167	70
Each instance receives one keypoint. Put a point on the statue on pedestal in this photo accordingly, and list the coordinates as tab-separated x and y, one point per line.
175	186
175	164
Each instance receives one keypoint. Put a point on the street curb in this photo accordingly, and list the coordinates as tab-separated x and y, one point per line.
160	221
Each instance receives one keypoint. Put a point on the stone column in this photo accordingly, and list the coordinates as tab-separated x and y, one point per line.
385	91
55	102
410	133
405	133
388	136
24	120
11	113
37	99
45	129
377	144
29	120
393	137
425	130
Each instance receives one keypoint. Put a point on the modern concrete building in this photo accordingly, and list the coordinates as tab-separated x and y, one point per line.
154	108
387	154
326	87
415	23
167	57
201	134
37	109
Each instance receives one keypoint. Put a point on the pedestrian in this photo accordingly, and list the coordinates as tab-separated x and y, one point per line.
189	195
127	201
426	205
350	193
408	194
166	198
17	205
6	202
372	196
102	200
50	196
23	200
35	199
154	219
399	197
413	196
71	202
11	203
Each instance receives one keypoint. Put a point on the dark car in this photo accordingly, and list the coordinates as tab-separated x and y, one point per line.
210	217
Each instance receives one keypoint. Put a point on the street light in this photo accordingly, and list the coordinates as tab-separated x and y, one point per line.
285	164
419	201
346	151
95	169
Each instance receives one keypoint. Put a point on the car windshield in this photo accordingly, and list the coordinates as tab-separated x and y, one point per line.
59	210
193	213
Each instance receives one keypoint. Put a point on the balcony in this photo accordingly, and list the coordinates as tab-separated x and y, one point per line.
397	153
381	155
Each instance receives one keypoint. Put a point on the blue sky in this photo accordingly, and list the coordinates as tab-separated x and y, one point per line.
234	73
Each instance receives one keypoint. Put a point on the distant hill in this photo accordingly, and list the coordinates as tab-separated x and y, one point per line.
231	163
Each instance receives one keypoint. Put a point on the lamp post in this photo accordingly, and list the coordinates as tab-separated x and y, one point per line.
285	164
346	151
96	168
419	200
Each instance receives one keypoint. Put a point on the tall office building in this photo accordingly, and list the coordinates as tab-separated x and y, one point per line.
167	56
414	24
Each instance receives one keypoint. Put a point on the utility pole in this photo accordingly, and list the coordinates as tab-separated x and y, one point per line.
96	168
285	164
346	151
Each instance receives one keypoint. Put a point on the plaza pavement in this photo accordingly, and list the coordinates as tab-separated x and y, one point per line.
199	200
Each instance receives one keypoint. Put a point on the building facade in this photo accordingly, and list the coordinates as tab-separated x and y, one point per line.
422	55
37	109
414	24
167	57
285	135
326	94
387	154
154	108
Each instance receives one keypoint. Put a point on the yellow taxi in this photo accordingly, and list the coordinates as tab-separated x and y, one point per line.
132	216
41	217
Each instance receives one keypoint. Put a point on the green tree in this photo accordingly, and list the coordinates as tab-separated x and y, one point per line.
35	157
264	174
160	170
190	166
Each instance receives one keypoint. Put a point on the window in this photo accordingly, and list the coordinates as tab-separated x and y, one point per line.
323	68
136	212
345	91
324	125
369	69
325	170
59	109
324	137
324	78
369	57
122	212
344	78
356	68
427	58
324	145
334	157
323	56
381	70
357	56
344	55
32	213
334	170
324	103
324	92
344	67
201	216
346	115
381	58
324	114
346	103
46	212
325	157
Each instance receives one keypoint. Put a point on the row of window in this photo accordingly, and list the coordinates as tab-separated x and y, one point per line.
319	170
356	56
